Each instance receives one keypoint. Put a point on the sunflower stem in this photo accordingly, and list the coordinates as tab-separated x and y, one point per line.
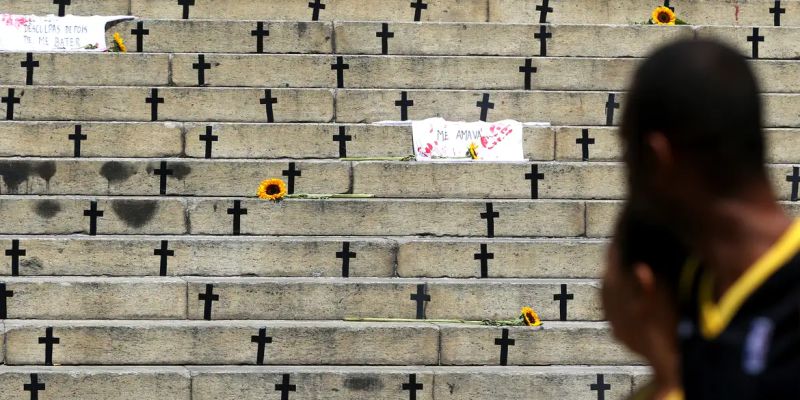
403	158
508	322
330	196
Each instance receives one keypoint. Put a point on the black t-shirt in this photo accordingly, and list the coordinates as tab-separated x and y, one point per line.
746	346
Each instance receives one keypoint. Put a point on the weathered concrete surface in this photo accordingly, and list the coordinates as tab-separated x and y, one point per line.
490	180
97	383
196	104
62	215
222	342
135	256
185	177
512	258
89	69
361	217
96	298
51	139
204	36
558	343
339	298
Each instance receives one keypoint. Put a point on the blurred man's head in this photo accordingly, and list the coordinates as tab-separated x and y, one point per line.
692	127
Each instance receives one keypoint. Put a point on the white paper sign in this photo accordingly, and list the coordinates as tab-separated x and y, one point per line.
53	33
437	139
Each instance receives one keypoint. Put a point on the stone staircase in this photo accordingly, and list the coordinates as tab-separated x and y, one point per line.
139	264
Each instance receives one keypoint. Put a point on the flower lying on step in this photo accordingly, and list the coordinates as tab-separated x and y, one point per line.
272	189
119	44
664	16
473	151
527	317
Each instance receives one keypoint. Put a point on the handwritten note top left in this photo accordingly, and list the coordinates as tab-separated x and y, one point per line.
52	33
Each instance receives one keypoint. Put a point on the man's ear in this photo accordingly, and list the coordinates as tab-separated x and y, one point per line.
661	149
645	279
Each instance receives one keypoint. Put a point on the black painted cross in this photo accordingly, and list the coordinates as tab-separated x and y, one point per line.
528	69
209	138
421	297
666	4
418	6
316	5
162	172
534	176
77	138
259	33
794	178
208	299
285	387
346	255
93	213
543	10
262	339
290	174
542	35
29	64
385	35
154	101
62	6
489	216
562	299
48	340
4	294
340	66
140	33
268	101
34	387
777	11
15	253
485	105
611	105
342	138
10	100
484	256
504	342
404	103
164	252
237	211
600	387
755	38
584	141
201	66
412	386
186	4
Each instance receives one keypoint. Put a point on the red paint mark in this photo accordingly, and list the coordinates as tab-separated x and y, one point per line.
737	12
14	20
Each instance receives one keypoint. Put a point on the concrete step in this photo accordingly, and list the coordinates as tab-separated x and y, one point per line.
317	105
299	141
94	298
99	383
295	298
387	383
310	382
339	298
748	13
308	343
168	176
304	256
197	104
363	72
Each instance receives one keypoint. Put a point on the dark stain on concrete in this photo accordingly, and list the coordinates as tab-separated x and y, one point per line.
179	171
14	173
46	170
47	208
363	383
115	171
32	264
135	213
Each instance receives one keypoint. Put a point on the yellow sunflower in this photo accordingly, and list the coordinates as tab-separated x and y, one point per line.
531	317
120	44
272	189
663	16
